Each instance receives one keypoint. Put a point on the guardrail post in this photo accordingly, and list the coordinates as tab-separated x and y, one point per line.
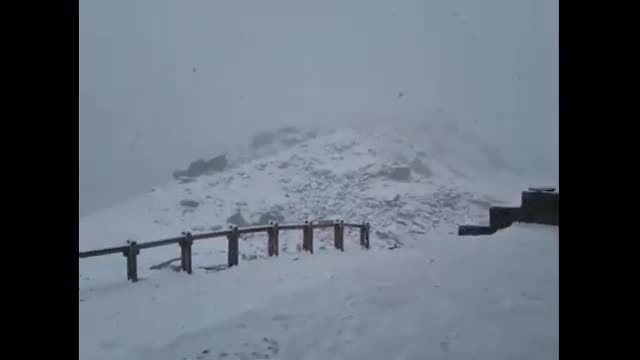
307	236
366	235
338	235
232	253
276	239
131	253
272	244
311	237
185	252
363	235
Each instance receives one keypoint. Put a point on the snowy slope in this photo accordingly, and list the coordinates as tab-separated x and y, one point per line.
447	298
420	292
337	175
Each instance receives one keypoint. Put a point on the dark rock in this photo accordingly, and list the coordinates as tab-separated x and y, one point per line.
196	168
218	163
399	173
179	174
189	203
419	167
237	219
200	167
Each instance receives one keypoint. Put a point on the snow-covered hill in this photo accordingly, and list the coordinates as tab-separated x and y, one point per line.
407	191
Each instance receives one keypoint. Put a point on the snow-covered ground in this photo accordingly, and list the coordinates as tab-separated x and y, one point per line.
451	297
420	293
339	175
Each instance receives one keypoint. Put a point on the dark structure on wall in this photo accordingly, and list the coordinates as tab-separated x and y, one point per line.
538	206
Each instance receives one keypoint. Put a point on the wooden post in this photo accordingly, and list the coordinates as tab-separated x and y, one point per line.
232	252
183	254
132	261
276	239
338	235
311	237
366	234
307	237
270	240
185	249
272	244
363	235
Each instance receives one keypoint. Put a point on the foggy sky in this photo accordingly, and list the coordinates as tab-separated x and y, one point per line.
144	112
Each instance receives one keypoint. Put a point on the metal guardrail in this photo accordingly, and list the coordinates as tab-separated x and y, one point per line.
114	250
132	249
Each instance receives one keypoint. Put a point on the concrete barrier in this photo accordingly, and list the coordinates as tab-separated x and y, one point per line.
501	217
465	230
539	206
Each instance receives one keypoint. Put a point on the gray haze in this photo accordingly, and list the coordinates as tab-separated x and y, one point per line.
492	65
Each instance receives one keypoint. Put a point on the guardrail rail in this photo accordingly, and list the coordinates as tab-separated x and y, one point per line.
132	248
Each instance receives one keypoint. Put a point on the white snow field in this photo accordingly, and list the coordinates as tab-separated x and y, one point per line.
492	297
420	292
